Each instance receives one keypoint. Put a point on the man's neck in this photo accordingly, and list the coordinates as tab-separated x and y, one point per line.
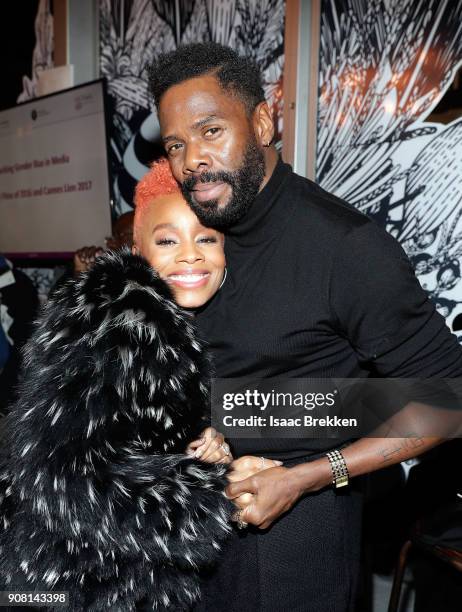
271	159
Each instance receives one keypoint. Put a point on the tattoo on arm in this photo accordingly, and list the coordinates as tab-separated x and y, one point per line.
402	446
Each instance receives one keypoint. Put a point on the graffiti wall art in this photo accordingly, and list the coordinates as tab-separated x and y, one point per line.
42	56
385	66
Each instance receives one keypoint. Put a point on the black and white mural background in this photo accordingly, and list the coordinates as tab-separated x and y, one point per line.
134	32
385	66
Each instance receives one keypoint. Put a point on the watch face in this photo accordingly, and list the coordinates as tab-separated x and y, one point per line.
341	481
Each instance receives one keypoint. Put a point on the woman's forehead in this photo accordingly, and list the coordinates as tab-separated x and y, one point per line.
172	210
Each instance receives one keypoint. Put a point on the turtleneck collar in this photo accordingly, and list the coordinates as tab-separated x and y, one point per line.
266	212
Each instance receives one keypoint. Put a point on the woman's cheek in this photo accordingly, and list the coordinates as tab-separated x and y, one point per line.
160	263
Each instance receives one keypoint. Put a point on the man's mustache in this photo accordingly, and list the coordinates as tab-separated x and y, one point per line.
207	177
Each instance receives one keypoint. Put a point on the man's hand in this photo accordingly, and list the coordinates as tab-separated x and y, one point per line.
210	447
273	491
276	490
85	257
245	467
248	465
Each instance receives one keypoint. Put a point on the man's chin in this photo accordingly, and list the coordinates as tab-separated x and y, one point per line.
209	213
220	213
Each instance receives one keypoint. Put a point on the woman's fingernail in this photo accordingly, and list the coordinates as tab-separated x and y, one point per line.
278	462
198	454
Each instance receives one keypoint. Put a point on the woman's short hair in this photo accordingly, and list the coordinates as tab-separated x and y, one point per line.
159	181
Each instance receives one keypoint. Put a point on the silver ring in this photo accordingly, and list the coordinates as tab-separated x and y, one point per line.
237	518
262	459
225	448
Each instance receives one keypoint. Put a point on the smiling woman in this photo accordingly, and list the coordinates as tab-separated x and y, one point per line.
98	497
185	253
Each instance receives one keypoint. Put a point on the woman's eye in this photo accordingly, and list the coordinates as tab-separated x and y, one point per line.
207	239
165	241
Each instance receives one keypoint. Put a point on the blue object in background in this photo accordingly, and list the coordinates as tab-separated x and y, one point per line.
4	349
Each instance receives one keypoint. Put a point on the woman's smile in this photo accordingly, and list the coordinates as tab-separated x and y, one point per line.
189	279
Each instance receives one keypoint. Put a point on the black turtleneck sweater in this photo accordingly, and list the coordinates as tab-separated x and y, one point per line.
316	289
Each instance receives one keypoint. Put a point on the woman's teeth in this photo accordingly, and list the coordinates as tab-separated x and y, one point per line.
187	277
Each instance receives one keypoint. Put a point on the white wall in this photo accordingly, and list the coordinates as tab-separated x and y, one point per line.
83	39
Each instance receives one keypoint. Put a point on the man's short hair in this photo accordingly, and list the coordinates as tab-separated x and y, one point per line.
235	74
159	181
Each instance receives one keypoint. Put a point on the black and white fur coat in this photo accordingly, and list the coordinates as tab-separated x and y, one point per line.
96	494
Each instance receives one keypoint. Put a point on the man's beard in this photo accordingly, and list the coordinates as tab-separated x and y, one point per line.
244	182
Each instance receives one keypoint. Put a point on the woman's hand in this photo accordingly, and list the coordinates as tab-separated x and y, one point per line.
210	447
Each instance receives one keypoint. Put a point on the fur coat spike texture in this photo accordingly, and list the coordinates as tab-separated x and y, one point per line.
97	497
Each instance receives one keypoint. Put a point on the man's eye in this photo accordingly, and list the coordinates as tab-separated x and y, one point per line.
212	131
174	148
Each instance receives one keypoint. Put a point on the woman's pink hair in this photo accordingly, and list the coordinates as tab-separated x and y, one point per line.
159	181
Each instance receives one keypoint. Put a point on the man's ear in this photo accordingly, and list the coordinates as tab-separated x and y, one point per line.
263	124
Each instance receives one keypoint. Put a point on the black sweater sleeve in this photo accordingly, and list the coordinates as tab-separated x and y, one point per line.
379	305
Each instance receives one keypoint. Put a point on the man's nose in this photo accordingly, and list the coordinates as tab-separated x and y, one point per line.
195	159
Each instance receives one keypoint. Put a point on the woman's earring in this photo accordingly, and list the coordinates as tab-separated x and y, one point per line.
224	278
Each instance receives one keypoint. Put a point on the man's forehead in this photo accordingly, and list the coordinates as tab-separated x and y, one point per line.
195	100
204	85
193	103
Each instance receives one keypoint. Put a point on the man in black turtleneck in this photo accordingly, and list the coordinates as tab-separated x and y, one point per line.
314	289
